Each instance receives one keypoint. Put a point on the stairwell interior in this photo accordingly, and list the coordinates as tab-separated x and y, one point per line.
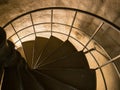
58	50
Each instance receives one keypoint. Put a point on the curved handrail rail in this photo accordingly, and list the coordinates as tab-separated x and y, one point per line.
66	8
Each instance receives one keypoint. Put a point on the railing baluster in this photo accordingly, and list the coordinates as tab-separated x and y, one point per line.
96	31
108	62
35	37
33	24
72	25
51	21
16	33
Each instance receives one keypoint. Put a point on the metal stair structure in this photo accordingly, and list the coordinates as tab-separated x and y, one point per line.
48	59
64	66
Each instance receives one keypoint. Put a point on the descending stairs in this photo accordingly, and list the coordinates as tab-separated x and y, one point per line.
51	64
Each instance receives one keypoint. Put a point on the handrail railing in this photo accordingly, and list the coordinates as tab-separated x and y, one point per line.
66	8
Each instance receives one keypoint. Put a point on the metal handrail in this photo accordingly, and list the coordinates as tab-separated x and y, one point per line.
66	8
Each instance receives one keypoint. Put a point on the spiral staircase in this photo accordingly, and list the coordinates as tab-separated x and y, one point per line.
47	60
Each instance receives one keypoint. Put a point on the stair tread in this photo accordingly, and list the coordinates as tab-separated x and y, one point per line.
28	50
51	83
65	49
29	81
81	78
74	60
40	43
51	46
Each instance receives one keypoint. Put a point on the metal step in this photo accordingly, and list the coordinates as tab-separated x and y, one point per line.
75	60
51	46
29	81
65	49
51	83
39	45
28	50
82	79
